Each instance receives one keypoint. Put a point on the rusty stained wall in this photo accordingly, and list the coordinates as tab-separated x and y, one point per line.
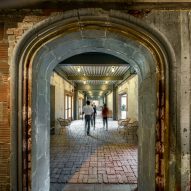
10	32
176	29
14	24
4	111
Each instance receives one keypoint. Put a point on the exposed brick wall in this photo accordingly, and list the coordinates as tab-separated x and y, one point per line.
4	112
12	27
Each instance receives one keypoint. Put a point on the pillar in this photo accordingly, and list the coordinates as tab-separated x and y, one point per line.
105	99
75	113
115	103
85	99
184	142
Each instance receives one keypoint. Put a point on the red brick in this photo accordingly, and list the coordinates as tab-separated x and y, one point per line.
3	51
1	31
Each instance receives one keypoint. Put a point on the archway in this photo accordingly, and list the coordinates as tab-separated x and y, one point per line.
80	31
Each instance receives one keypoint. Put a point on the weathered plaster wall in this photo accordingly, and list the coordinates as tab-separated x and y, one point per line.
80	95
80	98
110	103
185	98
176	27
58	82
130	87
61	87
4	112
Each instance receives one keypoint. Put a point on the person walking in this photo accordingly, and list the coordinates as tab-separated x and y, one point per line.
88	111
94	115
105	112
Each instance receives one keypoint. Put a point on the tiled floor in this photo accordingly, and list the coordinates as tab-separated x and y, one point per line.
97	161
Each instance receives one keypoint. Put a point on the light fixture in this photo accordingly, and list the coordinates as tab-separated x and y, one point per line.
78	69
113	69
106	82
84	82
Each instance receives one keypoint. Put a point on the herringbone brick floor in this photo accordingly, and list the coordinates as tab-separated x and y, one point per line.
104	157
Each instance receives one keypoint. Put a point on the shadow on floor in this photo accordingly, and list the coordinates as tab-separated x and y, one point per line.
102	161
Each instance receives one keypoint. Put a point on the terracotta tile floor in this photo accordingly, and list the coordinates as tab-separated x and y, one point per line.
104	157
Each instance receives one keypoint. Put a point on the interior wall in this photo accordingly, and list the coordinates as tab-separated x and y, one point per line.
132	97
130	87
110	103
80	95
79	98
61	86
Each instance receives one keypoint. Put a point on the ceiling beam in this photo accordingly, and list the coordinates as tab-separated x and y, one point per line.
94	87
104	78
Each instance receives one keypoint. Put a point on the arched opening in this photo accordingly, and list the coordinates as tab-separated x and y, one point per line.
108	156
80	31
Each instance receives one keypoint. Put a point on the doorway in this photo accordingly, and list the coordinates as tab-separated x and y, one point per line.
123	106
68	106
80	106
105	157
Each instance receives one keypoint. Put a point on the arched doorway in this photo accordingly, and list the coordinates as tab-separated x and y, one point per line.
80	31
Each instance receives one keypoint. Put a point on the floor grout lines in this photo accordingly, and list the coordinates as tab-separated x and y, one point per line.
104	157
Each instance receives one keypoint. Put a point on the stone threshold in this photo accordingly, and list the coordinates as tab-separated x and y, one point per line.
93	187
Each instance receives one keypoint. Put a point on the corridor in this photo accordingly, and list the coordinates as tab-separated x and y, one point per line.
101	161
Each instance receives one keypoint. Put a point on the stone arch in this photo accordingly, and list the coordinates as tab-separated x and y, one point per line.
79	31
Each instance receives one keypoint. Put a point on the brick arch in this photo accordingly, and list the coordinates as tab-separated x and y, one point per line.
79	31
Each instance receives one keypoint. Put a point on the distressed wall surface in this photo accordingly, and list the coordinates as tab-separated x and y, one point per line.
131	88
61	87
174	25
4	111
177	29
184	99
110	104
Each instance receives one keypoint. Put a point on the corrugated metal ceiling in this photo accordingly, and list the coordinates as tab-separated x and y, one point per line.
98	71
95	70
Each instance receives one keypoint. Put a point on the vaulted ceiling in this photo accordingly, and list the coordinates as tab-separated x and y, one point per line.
94	73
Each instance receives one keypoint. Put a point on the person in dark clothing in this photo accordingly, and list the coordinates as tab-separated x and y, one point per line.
94	116
105	112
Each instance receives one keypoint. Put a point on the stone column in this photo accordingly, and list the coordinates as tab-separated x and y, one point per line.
75	112
115	103
85	99
185	99
105	99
